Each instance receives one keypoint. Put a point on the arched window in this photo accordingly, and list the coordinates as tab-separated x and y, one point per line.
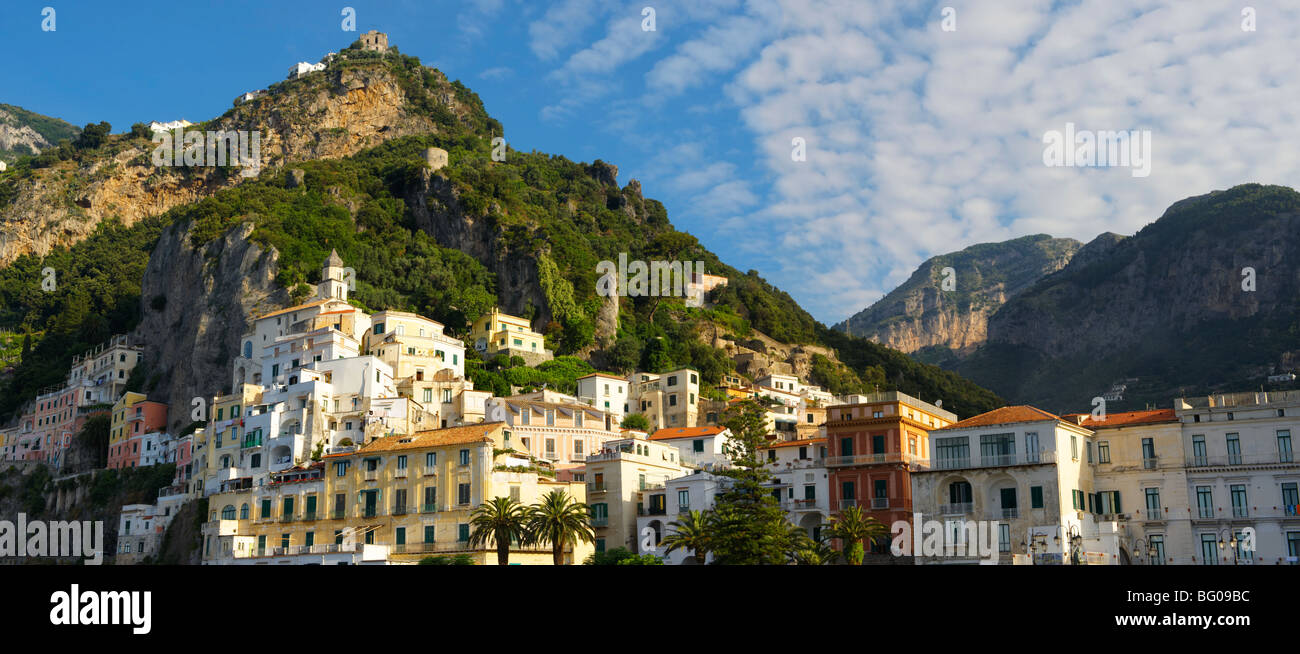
248	349
228	513
243	512
959	492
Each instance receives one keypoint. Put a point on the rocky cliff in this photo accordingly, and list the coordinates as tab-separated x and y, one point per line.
196	305
920	313
350	106
23	132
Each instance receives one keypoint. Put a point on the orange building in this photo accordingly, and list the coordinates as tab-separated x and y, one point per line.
872	448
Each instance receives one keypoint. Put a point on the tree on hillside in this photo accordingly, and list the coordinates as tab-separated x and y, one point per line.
636	421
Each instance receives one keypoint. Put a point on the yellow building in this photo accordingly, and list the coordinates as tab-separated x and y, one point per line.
499	333
411	496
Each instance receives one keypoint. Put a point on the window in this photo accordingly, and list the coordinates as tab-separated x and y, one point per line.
697	445
431	459
266	508
1074	447
1088	447
462	533
1108	502
1205	501
429	533
1154	511
243	512
1239	507
309	539
1198	450
1103	452
959	492
1284	445
952	452
1149	454
1209	550
1004	537
462	494
1234	449
401	462
1035	497
1157	543
464	457
228	513
287	508
1031	447
1290	498
1293	547
341	468
998	449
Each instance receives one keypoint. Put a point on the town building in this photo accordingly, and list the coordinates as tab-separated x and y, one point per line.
303	68
136	423
374	41
625	479
800	482
562	433
1242	477
703	447
605	392
394	500
678	496
873	446
1026	473
667	400
499	333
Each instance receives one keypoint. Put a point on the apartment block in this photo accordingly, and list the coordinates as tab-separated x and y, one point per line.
625	479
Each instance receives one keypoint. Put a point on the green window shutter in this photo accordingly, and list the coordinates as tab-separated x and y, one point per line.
266	508
311	504
428	533
399	535
1036	497
1117	508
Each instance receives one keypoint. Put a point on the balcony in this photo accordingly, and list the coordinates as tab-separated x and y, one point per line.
371	512
339	514
1007	513
1156	514
845	504
871	459
993	461
879	503
1150	463
288	517
399	509
1202	461
595	487
1240	512
602	521
309	516
371	475
400	473
960	508
428	508
804	505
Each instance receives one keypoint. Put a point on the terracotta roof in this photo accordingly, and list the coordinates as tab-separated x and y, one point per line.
800	443
308	305
1126	418
1002	416
685	432
433	438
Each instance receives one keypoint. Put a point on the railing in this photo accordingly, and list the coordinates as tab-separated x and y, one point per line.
339	514
993	461
371	512
1150	463
1240	512
960	508
371	475
1008	513
428	508
595	486
400	473
399	509
683	509
602	521
1238	460
804	505
880	503
1155	514
867	459
309	516
845	504
1205	511
430	471
578	457
288	517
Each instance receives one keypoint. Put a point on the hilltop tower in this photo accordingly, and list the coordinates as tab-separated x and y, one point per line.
333	284
375	41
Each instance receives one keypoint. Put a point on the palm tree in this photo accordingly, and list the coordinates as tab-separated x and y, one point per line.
559	520
853	527
693	532
502	520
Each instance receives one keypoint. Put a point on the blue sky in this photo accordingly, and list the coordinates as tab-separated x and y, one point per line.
920	141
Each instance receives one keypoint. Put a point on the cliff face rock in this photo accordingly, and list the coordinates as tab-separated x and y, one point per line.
23	132
21	139
920	314
1202	300
328	114
197	303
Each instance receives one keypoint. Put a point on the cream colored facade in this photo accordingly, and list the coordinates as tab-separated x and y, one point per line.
605	392
564	434
1025	470
621	479
413	345
411	495
667	400
500	333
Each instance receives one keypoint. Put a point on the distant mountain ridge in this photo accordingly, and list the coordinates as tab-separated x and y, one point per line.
24	132
919	314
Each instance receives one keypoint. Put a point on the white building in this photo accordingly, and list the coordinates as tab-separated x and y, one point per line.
168	126
605	392
302	68
693	492
1242	474
700	446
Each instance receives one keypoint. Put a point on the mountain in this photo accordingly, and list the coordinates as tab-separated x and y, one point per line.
184	258
1201	300
920	317
24	133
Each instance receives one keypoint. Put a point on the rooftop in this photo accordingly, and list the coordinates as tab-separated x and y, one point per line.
1002	416
1127	418
685	432
432	438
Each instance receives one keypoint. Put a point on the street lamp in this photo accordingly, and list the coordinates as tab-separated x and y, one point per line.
1075	539
1232	542
1143	547
1037	543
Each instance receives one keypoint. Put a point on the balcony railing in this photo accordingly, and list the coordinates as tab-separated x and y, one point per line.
595	487
428	508
1008	513
880	503
1151	462
339	514
400	473
1205	511
371	475
602	521
1240	512
1238	460
309	516
869	459
399	509
371	512
992	461
960	508
844	504
287	517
